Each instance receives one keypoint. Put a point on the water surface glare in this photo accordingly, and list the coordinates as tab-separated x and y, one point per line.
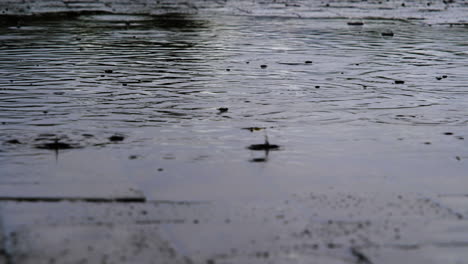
180	91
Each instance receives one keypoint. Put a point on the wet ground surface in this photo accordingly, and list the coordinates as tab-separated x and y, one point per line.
261	132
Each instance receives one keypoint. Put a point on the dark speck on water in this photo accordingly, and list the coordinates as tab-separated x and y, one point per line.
259	160
387	34
252	129
265	146
55	145
263	66
108	71
13	141
116	138
399	82
355	23
223	109
308	62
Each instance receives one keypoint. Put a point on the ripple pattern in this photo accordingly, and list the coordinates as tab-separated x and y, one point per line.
97	72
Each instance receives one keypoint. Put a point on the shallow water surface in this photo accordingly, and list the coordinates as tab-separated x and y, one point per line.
171	104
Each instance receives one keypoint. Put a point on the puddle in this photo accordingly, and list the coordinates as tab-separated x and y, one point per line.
155	92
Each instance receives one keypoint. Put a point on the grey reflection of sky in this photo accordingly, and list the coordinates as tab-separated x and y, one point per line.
341	121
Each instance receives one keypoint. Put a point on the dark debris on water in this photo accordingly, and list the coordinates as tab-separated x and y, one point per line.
355	23
264	147
223	109
259	159
387	33
13	141
56	145
116	138
57	142
253	129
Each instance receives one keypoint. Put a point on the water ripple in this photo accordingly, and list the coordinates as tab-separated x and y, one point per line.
125	71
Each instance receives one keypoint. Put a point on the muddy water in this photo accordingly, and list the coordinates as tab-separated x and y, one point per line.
181	105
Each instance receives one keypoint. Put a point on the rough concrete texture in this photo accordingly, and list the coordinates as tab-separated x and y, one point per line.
311	228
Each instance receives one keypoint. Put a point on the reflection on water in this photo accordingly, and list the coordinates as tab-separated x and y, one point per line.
327	95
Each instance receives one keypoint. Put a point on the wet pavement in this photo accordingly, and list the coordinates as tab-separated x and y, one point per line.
248	131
